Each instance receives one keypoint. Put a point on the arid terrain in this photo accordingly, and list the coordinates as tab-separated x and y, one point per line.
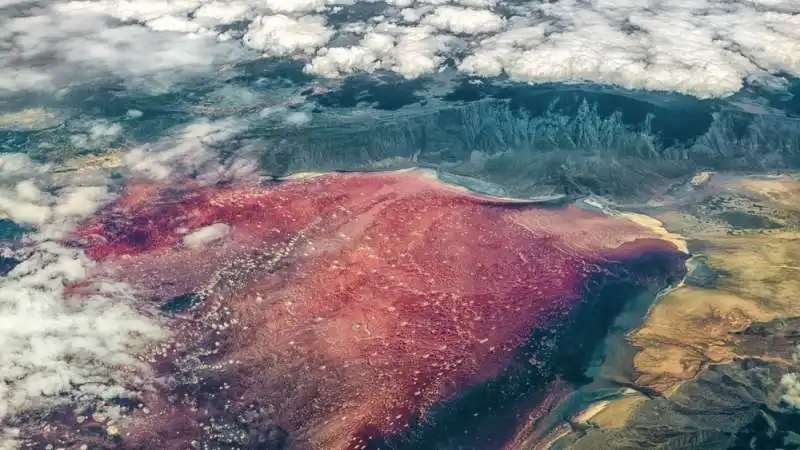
733	317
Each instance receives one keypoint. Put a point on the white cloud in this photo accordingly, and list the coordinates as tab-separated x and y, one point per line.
414	15
281	35
61	347
295	6
298	118
177	24
188	151
80	201
369	56
129	10
694	47
700	47
133	114
28	191
790	382
21	199
58	347
18	166
202	236
680	57
419	50
498	51
98	134
221	12
21	211
73	42
464	20
366	57
410	51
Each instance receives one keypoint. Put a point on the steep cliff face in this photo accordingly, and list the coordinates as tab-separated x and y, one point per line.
363	310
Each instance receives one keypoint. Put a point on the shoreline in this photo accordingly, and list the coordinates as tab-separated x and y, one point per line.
730	287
